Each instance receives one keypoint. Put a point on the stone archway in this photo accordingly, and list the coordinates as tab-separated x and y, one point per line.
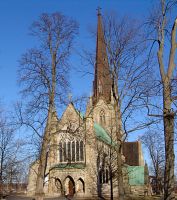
59	188
80	188
69	186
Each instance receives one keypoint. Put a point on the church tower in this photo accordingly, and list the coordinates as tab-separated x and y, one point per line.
102	83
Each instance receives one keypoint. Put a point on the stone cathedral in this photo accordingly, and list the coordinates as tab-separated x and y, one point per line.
79	160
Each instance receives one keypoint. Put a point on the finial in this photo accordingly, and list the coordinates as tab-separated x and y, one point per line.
70	97
98	11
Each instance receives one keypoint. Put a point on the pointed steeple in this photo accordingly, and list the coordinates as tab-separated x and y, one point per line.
102	81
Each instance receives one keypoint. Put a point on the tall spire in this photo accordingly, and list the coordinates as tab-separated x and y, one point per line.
102	80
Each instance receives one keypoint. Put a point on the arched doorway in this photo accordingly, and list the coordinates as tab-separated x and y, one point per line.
80	186
69	186
58	185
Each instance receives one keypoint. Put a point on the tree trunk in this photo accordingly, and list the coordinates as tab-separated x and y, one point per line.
118	136
39	193
111	183
119	153
168	119
46	139
43	159
157	191
120	177
1	175
111	174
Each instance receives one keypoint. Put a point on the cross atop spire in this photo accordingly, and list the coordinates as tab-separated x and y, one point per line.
98	11
102	82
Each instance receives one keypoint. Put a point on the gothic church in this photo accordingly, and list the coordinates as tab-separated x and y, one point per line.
78	162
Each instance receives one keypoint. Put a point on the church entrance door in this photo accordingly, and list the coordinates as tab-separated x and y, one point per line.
69	185
71	188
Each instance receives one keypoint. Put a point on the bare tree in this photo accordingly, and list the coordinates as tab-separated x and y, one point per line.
128	74
159	23
155	147
11	156
43	73
6	136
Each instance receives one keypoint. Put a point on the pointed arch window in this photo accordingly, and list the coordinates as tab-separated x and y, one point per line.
107	176
71	151
103	176
102	117
100	87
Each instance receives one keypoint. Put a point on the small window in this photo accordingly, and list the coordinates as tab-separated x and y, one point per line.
64	152
107	175
104	176
73	151
100	177
61	152
77	151
100	87
81	150
69	151
102	117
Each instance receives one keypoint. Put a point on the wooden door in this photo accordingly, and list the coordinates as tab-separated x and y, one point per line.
71	188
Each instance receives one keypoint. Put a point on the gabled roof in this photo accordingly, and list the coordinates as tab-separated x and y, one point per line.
68	109
80	113
102	134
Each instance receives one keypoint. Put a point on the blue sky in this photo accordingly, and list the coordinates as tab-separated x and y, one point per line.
17	15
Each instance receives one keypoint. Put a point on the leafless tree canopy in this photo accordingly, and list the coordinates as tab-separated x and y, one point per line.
55	34
162	31
12	155
153	141
130	68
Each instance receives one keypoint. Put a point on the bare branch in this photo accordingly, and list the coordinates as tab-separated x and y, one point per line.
171	64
